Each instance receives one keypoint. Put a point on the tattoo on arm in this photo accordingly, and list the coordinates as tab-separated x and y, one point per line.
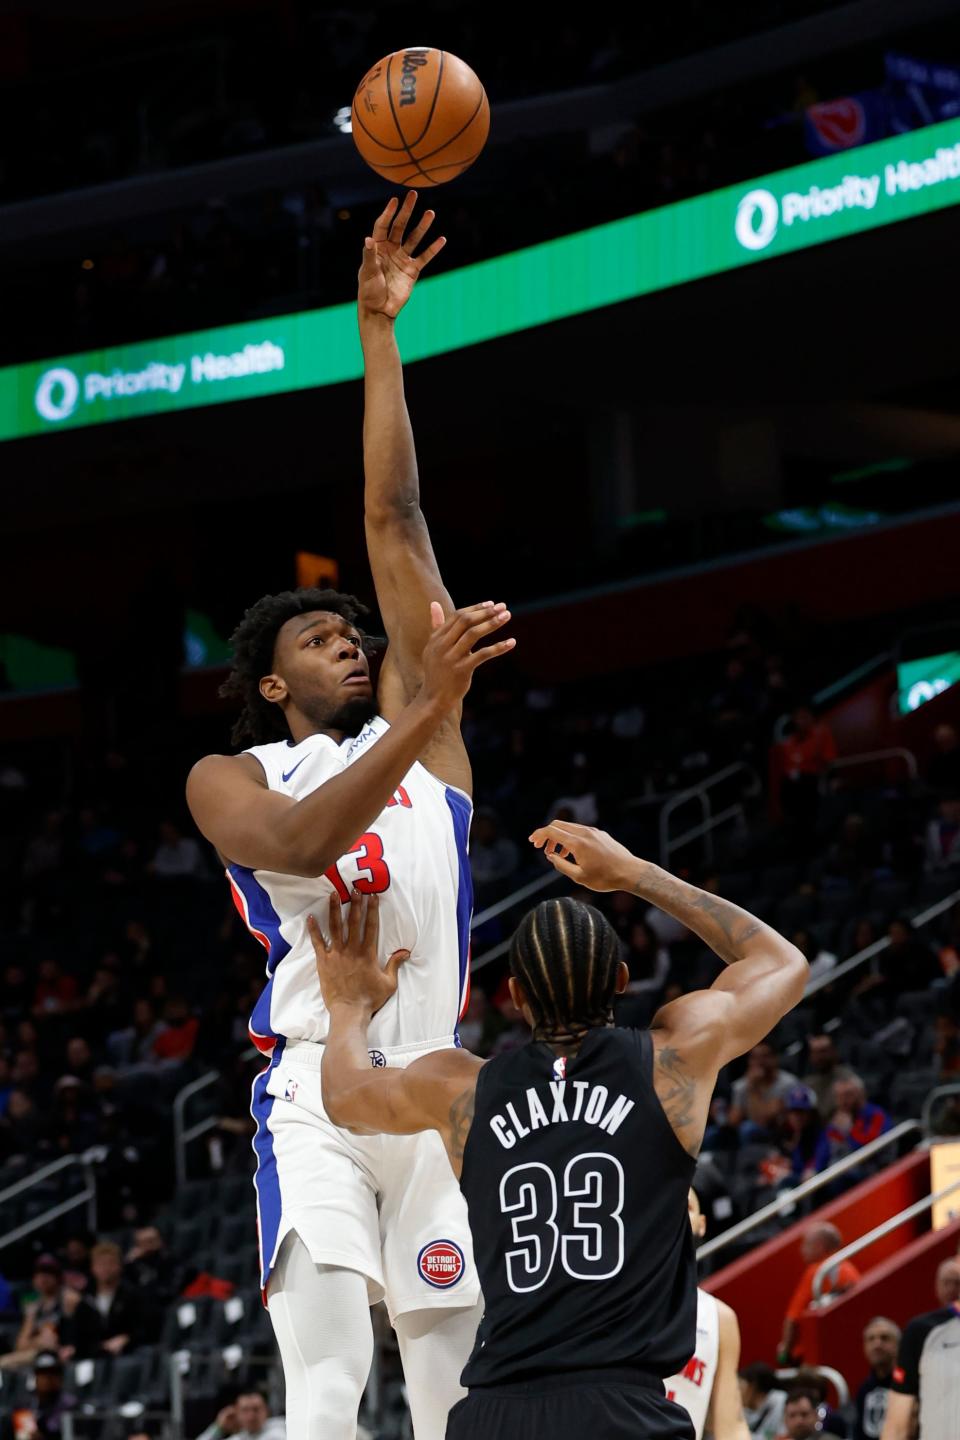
724	927
461	1118
676	1091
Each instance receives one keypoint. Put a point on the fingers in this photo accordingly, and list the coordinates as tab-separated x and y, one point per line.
493	652
436	614
370	263
484	625
419	230
566	867
381	229
558	830
355	923
372	929
316	935
431	252
399	222
462	620
335	921
392	967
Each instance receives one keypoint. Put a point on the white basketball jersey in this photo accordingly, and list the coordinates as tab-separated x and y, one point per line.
414	856
693	1387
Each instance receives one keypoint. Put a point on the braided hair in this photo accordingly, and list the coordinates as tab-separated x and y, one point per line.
565	955
253	642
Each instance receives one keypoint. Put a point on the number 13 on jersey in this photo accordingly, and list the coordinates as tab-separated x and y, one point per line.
374	874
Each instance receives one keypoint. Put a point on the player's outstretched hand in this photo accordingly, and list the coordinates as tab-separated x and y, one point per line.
347	964
449	657
389	269
591	857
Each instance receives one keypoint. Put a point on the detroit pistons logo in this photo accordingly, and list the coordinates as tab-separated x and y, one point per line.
441	1263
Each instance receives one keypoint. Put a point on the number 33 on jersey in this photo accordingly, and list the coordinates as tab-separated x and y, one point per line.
414	856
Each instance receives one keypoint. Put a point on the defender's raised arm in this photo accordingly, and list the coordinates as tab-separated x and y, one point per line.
701	1032
434	1093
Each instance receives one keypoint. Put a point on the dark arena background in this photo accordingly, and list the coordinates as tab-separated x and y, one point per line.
685	385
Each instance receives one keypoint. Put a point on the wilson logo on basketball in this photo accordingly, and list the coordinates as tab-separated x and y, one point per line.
412	61
441	1264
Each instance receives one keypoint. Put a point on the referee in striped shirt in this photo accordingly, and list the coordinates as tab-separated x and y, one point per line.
928	1368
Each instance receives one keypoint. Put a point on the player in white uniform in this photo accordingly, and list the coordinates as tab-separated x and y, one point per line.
342	792
707	1387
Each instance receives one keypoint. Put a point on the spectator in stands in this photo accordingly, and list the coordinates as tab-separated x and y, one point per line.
178	856
134	1045
853	857
579	803
248	1418
880	1341
493	857
946	1045
927	1373
942	846
820	1241
803	758
801	1417
947	1282
48	1318
799	1132
125	1315
43	1416
176	1039
75	1256
22	1130
649	963
943	772
825	1068
56	993
907	963
148	1266
853	1123
758	1096
763	1401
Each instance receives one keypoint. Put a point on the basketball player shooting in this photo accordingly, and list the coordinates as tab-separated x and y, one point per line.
338	793
576	1152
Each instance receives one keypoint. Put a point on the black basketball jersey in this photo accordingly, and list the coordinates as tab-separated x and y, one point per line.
577	1191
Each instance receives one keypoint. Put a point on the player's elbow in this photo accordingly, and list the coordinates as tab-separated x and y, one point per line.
798	973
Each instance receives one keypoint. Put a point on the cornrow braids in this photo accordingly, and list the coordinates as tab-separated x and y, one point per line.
565	955
253	644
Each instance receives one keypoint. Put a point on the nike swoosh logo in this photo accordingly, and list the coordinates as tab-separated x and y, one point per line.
294	770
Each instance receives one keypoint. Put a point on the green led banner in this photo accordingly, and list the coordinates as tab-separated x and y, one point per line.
921	680
808	205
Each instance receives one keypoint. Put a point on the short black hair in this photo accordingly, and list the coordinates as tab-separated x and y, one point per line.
565	955
763	1376
253	644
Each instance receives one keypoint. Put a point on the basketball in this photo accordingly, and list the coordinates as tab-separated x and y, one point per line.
420	117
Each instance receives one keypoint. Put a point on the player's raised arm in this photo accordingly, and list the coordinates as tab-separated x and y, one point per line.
402	561
434	1093
698	1034
251	825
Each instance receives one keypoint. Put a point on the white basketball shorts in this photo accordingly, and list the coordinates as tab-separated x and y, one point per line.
388	1206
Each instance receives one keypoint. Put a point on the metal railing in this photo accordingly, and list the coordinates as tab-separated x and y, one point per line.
939	1092
87	1196
827	1373
787	1200
184	1134
854	962
871	757
877	1233
709	821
